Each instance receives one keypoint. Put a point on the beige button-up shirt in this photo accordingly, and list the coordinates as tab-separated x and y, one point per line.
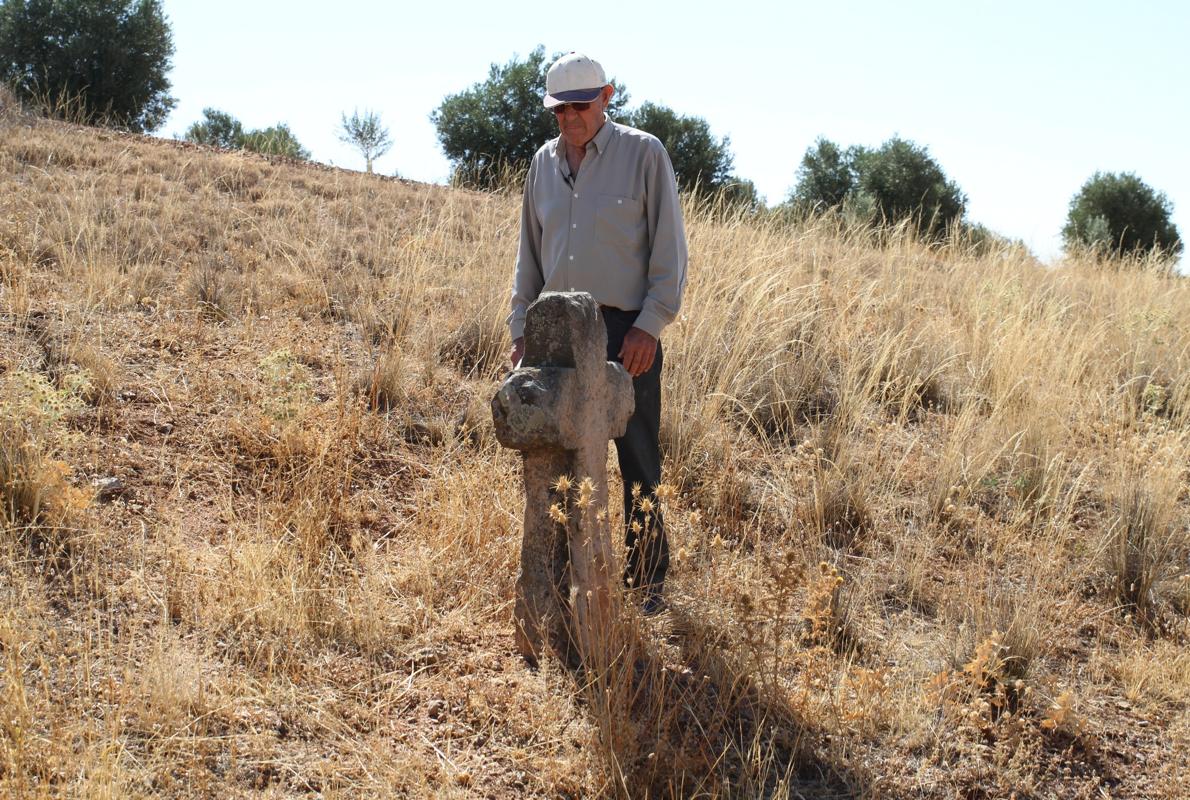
615	231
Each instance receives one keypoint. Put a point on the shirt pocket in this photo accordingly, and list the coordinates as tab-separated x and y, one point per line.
619	222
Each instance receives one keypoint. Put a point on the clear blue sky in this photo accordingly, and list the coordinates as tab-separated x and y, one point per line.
1020	102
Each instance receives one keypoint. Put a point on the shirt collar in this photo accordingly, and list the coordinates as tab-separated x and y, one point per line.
604	135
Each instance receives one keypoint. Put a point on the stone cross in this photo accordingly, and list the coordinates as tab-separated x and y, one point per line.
560	408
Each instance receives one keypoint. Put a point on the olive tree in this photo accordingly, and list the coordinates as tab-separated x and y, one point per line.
367	134
97	60
897	182
1119	214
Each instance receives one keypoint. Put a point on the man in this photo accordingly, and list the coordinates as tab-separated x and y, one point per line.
601	215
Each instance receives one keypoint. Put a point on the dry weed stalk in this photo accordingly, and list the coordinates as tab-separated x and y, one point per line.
1143	543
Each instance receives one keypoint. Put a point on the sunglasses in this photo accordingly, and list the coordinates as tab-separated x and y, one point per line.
561	109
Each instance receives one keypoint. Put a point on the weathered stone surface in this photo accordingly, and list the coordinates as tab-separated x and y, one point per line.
560	408
108	489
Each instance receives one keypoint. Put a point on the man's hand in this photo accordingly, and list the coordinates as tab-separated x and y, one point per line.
518	352
638	351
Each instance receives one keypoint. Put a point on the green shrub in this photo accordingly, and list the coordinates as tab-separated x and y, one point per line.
1118	214
221	129
899	181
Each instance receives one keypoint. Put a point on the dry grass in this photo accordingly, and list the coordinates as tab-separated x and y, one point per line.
929	525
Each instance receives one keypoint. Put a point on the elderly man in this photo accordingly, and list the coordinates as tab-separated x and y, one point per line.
601	215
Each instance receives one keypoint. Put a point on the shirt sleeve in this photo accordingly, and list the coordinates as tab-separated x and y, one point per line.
667	245
528	278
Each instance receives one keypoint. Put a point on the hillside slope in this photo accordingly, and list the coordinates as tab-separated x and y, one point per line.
930	519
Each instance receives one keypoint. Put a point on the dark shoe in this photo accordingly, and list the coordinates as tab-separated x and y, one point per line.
654	604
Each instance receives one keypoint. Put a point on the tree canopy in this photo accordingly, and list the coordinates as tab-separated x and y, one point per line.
221	129
1119	214
825	177
898	181
366	133
217	128
699	159
98	60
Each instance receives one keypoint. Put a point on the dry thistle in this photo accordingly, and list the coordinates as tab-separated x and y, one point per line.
819	615
665	492
987	665
865	698
586	493
1061	716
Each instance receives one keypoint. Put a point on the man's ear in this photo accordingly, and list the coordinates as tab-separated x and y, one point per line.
608	91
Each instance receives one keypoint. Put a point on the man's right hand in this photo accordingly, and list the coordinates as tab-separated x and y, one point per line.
518	352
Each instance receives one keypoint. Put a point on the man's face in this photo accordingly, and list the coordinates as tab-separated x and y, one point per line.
579	127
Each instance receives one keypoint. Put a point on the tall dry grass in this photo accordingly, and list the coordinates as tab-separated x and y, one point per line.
929	504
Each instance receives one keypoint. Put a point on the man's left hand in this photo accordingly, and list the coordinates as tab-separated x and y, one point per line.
638	351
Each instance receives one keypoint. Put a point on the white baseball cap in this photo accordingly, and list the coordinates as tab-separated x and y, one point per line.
573	78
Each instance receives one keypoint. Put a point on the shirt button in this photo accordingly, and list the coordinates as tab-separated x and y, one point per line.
574	225
576	195
619	202
572	258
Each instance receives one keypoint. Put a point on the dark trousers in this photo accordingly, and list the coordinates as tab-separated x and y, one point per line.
639	453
